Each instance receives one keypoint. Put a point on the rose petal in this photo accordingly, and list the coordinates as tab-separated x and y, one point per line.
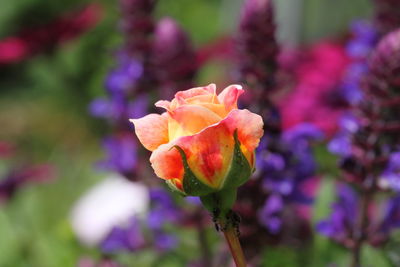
229	96
249	126
167	162
163	104
209	153
205	90
203	99
152	130
190	119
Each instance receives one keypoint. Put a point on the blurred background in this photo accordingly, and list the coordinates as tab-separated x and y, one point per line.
56	171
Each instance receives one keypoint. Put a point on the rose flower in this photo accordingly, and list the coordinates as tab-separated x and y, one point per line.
203	143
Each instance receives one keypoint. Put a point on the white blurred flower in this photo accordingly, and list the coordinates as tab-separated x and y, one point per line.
110	203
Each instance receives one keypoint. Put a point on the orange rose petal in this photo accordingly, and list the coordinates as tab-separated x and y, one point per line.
249	127
152	130
218	109
229	96
167	163
190	119
192	92
163	104
211	88
209	153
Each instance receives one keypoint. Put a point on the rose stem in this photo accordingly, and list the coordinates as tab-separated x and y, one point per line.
231	237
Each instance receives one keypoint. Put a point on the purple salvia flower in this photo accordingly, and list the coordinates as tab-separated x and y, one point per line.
165	242
364	38
163	209
391	218
270	215
100	107
121	154
137	108
257	47
342	219
374	142
137	25
174	58
391	175
387	15
128	238
122	79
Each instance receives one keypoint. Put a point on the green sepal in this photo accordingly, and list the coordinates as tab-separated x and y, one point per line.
240	170
191	184
219	203
174	189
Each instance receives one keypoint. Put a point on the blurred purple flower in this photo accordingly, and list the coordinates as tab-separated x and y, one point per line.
391	174
121	152
128	238
341	143
358	49
123	77
163	209
340	223
173	57
269	215
163	241
387	15
285	172
391	219
137	108
100	107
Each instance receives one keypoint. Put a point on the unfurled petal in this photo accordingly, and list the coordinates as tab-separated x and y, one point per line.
190	119
163	104
167	162
249	127
209	153
152	130
229	96
205	90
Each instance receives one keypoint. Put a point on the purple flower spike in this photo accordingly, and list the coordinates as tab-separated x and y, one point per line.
123	78
387	15
163	209
100	108
128	238
174	58
341	221
257	47
122	155
269	215
392	215
165	242
391	175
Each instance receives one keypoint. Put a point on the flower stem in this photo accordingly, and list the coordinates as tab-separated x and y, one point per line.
359	233
231	237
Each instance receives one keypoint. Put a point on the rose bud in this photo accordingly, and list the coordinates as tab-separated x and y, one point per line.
203	143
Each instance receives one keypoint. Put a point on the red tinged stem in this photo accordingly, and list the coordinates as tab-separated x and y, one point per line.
232	239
